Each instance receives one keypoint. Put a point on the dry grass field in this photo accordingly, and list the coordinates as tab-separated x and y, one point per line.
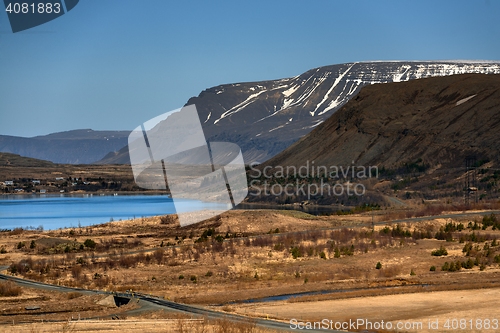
409	310
134	325
393	271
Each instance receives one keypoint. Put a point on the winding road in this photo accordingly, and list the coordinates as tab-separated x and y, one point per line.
158	303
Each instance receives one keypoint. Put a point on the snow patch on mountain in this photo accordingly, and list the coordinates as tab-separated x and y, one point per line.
208	117
240	106
462	101
290	91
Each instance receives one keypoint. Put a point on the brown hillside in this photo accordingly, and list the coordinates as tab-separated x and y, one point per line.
14	160
393	123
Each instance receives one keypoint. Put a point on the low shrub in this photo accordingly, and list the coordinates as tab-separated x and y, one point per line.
9	288
89	243
440	252
73	295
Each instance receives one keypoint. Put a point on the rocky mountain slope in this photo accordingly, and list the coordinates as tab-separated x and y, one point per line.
436	120
266	117
74	147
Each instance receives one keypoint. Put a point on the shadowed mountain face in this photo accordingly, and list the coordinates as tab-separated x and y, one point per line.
438	120
266	117
72	147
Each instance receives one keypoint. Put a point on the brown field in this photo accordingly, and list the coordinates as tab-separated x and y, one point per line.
243	255
407	309
172	325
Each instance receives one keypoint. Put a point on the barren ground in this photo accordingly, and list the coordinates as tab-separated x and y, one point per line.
253	254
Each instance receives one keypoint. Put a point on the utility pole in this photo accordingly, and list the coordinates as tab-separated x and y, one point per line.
470	180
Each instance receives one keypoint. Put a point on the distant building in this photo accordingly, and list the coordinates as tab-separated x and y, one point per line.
43	191
35	182
9	183
59	178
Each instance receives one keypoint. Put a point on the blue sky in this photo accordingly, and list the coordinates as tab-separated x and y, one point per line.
113	64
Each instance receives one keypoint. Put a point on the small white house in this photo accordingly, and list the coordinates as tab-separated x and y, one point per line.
42	191
35	182
9	183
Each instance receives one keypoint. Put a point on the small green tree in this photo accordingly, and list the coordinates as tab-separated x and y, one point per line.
89	243
452	267
469	264
433	268
296	252
32	244
378	266
440	252
445	267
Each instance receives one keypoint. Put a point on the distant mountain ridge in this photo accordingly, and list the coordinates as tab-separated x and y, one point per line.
263	118
72	147
266	117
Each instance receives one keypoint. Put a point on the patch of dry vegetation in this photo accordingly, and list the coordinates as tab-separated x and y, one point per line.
175	324
436	209
8	289
221	261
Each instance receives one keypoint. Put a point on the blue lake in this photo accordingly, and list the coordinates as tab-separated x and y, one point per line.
58	211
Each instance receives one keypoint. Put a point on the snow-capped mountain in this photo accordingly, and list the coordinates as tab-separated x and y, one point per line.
266	117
